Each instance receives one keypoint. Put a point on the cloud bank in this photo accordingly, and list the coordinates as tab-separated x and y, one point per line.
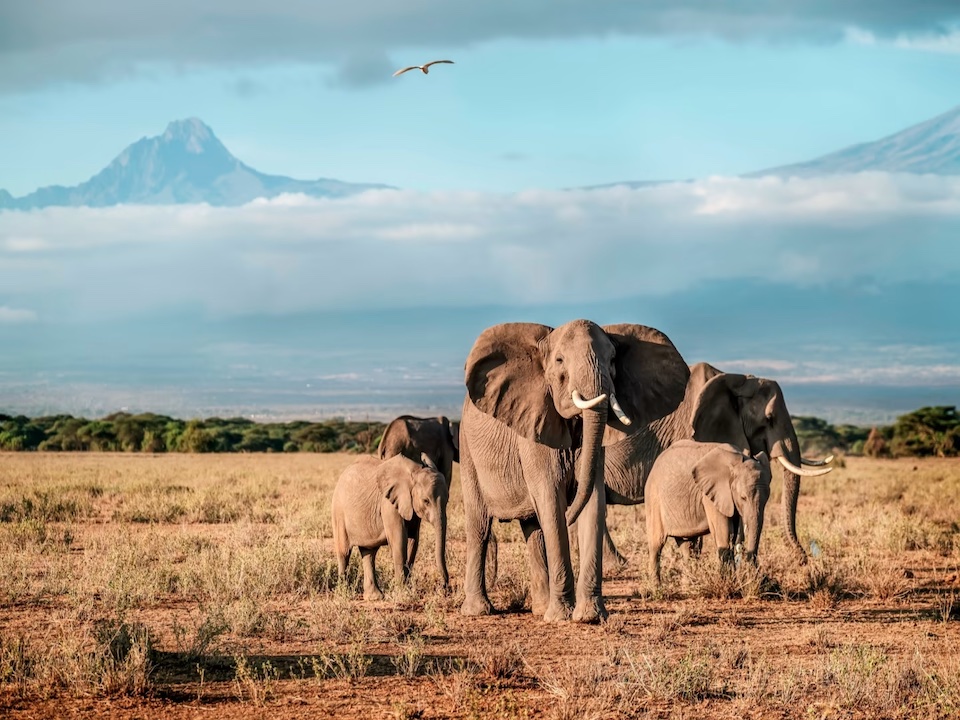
388	249
12	316
48	41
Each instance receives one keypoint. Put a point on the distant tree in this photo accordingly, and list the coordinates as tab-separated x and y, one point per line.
927	431
875	445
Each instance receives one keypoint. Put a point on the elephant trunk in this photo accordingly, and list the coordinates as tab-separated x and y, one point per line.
751	541
589	470
790	449
440	526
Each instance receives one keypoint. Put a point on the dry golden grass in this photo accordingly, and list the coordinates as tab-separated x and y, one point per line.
137	585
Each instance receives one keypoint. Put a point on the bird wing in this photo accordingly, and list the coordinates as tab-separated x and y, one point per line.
434	62
403	70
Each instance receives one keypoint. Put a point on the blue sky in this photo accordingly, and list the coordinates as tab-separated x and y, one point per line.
513	113
544	95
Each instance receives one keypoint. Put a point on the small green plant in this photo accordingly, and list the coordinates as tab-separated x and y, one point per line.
255	684
410	658
194	646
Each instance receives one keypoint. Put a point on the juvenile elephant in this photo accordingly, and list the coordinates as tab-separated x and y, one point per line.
746	411
439	439
381	502
538	401
410	436
695	488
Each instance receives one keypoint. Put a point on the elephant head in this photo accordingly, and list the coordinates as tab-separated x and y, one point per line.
750	413
734	482
412	436
422	492
563	387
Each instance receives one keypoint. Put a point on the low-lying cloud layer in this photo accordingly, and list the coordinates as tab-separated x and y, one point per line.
384	249
46	41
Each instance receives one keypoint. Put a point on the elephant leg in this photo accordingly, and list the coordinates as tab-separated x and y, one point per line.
656	537
341	548
611	556
590	533
690	547
371	589
537	560
552	515
723	531
398	551
493	551
413	541
477	522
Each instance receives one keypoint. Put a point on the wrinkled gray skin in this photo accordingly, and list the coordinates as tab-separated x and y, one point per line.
746	411
697	488
381	502
526	449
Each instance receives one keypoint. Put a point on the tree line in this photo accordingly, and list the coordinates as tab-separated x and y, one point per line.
929	431
147	432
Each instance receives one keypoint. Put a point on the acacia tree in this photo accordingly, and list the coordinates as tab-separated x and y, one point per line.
928	431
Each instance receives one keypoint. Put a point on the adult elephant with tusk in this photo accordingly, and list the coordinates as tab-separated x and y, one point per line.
539	401
745	411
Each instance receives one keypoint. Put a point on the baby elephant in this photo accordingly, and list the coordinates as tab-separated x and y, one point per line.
699	487
381	502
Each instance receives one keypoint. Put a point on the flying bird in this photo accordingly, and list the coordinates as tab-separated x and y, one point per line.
423	68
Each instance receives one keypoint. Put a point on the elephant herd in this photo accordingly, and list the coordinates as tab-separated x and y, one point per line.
556	424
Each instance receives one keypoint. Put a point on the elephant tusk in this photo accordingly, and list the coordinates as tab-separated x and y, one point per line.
817	463
618	411
802	471
587	404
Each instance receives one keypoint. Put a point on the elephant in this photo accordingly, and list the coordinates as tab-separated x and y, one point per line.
531	445
745	411
381	502
437	438
696	487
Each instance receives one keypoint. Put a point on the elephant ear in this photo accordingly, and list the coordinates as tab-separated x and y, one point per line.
713	477
505	379
717	413
396	484
651	377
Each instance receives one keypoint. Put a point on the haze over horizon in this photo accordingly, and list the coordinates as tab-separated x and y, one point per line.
809	235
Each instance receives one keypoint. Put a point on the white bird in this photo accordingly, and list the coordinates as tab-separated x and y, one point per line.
422	68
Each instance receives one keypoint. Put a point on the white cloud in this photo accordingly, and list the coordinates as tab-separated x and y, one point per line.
393	248
943	41
12	316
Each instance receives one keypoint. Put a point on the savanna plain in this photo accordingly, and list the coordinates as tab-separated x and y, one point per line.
202	586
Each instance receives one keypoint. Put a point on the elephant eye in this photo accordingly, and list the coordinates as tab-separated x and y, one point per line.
559	360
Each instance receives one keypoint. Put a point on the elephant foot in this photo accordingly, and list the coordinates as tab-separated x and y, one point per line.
473	606
591	610
372	595
558	612
539	607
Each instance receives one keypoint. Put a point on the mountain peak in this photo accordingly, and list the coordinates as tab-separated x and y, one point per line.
186	164
192	132
932	146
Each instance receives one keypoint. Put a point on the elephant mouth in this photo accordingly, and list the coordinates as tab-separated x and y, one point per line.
582	404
